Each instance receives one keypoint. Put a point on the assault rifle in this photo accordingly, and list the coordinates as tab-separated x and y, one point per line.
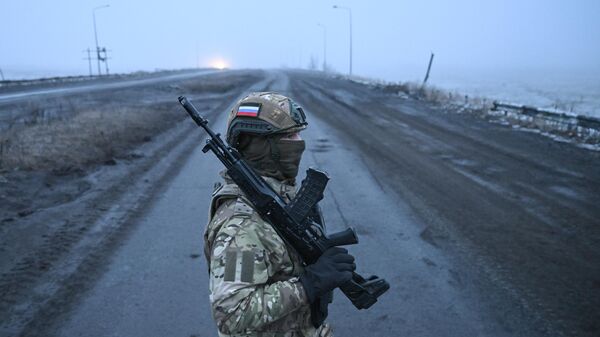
295	222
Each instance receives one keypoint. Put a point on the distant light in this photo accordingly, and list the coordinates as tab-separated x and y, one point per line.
219	64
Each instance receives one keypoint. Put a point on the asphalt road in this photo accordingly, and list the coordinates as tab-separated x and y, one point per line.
481	230
78	88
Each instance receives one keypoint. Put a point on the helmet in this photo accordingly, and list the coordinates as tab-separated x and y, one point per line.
264	113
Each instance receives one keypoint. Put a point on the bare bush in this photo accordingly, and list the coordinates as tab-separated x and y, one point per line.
397	88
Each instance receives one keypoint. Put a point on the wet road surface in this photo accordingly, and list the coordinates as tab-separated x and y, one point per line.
480	230
157	282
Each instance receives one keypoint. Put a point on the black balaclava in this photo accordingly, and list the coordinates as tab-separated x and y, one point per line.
272	156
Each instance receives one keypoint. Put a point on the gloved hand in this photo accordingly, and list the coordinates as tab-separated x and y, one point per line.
331	270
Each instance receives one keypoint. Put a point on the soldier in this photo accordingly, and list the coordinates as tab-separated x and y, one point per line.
258	284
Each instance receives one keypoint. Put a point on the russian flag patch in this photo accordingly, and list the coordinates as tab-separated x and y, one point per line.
248	110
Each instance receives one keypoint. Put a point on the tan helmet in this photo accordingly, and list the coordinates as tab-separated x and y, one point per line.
264	113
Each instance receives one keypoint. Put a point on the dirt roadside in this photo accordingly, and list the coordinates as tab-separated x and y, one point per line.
58	225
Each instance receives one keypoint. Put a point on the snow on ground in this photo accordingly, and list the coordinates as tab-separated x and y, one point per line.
578	96
576	90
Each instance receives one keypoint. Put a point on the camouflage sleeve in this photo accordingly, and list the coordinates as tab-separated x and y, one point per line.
240	266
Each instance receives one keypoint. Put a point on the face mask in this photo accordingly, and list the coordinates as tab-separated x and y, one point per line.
274	157
290	153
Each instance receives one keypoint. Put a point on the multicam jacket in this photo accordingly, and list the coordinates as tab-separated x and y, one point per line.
254	287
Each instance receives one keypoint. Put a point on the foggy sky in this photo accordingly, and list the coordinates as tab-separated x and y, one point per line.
392	39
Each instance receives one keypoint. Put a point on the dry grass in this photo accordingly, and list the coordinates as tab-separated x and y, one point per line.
428	93
222	85
59	136
89	137
436	95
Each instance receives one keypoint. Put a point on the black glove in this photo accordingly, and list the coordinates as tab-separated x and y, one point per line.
331	270
319	309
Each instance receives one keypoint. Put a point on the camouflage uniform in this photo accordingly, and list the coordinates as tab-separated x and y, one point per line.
254	287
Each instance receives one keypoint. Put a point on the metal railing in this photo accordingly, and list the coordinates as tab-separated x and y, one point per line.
553	115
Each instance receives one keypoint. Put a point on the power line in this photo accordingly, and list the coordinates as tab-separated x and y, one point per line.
101	56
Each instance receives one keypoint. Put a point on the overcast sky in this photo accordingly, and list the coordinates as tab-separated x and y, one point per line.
392	39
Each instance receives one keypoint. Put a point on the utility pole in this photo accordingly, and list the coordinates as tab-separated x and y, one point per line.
350	21
324	46
1	74
428	69
89	59
105	59
98	56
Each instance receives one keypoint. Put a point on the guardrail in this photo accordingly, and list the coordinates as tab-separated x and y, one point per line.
580	120
584	128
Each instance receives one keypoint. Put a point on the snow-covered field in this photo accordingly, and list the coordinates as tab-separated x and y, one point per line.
576	91
579	95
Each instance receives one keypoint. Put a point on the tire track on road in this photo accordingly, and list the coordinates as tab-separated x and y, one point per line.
514	246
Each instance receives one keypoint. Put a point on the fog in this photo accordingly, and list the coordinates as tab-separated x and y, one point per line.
392	39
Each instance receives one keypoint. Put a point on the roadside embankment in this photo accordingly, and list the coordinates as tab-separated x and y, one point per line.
558	124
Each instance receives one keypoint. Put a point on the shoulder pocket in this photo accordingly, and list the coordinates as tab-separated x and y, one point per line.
241	208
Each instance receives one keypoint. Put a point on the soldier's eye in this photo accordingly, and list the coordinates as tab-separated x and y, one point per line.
293	136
